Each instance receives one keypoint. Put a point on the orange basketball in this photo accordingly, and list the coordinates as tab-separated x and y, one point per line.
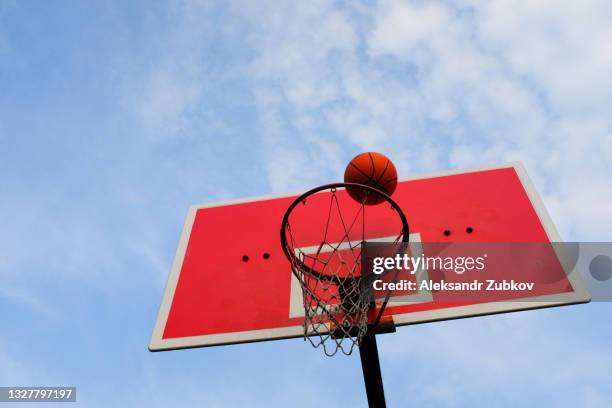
372	169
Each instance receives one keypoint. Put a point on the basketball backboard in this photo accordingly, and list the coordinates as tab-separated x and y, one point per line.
230	282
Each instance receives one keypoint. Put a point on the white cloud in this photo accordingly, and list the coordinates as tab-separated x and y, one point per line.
21	370
438	85
168	91
563	49
166	99
403	26
472	361
51	237
11	371
25	297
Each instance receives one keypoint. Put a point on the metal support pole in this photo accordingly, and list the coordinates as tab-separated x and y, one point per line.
371	370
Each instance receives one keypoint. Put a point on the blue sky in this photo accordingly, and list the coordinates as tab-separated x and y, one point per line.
116	116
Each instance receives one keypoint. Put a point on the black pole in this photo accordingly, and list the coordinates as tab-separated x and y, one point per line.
371	370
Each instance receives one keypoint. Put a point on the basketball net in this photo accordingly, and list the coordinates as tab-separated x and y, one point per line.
339	305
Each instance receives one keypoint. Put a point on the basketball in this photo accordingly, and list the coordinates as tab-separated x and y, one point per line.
374	170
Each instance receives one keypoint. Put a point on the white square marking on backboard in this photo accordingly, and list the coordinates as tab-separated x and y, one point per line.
296	301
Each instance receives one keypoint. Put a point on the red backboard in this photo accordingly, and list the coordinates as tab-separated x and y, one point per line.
231	283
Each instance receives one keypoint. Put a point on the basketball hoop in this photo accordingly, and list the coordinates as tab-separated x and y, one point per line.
339	306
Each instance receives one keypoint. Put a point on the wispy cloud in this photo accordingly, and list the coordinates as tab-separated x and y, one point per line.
25	298
438	85
472	361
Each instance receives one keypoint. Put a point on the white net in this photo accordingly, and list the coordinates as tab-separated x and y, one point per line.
337	294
